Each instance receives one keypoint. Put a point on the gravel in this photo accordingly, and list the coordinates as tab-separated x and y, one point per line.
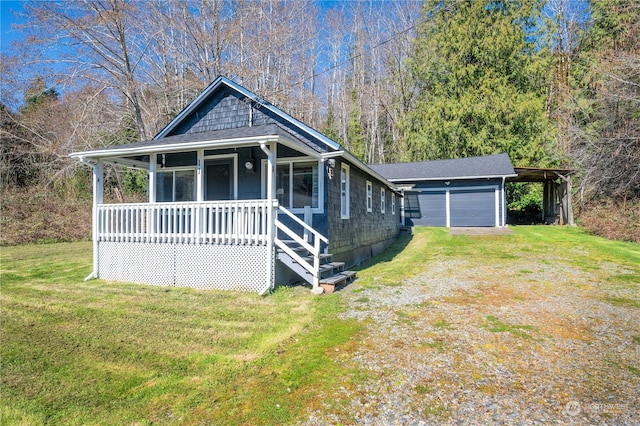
465	344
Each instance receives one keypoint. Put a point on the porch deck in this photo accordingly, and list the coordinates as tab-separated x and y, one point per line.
207	245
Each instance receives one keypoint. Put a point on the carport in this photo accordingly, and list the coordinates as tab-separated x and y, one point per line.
556	195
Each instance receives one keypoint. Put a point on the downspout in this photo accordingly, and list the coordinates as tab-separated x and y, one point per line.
270	217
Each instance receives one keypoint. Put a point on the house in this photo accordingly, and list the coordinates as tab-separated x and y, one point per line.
458	192
241	196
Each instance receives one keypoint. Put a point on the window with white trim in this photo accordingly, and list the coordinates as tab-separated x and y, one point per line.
382	200
344	191
176	185
393	203
369	196
297	184
176	176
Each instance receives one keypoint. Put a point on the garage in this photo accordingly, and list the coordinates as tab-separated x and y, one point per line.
473	207
462	192
426	208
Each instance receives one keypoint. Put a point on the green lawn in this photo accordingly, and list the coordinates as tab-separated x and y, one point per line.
75	352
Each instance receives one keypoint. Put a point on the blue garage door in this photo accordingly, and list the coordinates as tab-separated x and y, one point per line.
473	208
426	209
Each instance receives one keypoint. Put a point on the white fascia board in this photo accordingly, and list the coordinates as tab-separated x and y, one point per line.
450	178
188	146
264	104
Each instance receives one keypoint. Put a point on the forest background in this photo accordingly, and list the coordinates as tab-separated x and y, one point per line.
552	83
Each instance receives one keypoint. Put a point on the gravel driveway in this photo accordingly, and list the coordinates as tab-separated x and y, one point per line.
470	343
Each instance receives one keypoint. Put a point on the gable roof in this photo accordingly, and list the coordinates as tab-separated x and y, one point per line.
224	81
488	166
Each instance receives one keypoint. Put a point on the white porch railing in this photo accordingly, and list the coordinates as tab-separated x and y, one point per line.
242	222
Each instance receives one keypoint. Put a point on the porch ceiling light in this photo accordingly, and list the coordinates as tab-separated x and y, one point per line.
249	164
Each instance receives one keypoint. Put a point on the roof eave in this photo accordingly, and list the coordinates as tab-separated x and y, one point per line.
499	176
172	147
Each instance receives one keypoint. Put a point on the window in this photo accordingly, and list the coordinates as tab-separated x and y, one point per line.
393	204
369	197
297	184
176	185
344	191
382	200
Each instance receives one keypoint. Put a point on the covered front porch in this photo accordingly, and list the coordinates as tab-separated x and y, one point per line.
218	211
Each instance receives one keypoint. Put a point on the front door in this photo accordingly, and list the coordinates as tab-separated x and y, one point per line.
219	179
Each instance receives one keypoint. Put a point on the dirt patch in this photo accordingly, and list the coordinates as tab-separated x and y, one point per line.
481	231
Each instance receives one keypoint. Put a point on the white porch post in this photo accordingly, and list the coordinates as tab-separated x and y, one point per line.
98	198
152	178
271	152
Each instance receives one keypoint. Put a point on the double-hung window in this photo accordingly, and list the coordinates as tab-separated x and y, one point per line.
393	203
383	201
344	191
369	197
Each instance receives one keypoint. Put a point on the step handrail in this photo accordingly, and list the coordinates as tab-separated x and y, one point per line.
315	250
309	228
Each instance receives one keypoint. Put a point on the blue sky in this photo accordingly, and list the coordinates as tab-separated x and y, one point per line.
8	34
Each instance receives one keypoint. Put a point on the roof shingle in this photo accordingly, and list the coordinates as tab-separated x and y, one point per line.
497	165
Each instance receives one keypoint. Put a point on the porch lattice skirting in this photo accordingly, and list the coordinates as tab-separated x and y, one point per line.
200	266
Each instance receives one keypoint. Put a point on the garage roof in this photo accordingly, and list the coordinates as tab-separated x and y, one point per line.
488	166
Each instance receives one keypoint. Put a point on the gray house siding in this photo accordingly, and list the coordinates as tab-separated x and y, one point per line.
364	234
230	110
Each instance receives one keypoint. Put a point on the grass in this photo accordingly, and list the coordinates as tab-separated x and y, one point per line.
77	352
494	325
95	352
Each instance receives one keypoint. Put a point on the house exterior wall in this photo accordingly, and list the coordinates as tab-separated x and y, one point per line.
249	181
364	234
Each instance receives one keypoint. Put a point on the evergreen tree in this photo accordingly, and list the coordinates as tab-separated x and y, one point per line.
480	72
